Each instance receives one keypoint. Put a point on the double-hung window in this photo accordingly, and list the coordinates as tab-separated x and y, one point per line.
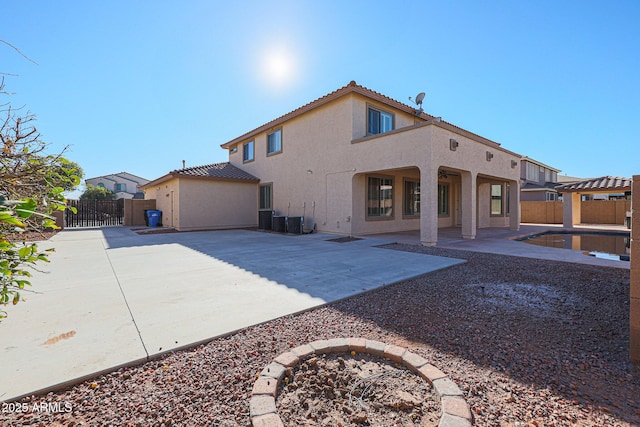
378	121
247	151
121	187
380	197
274	142
411	198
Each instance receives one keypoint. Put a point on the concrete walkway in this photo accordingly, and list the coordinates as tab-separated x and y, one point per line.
112	297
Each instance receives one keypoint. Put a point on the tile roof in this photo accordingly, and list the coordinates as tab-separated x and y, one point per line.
530	186
216	171
352	87
602	184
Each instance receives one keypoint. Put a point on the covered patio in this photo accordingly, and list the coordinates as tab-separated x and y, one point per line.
572	195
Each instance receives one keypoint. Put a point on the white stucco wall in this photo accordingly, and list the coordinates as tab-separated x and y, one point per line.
109	182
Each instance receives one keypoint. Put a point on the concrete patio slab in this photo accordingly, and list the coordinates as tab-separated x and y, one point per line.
112	297
501	241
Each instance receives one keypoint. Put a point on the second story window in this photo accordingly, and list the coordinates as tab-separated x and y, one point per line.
247	152
533	172
121	187
274	142
378	121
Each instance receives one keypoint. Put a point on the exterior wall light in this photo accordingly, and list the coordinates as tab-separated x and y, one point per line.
453	144
514	163
489	156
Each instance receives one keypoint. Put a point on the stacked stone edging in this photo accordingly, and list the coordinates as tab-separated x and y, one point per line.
263	411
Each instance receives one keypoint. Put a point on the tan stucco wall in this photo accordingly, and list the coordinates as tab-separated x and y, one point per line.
200	204
592	212
541	212
321	172
604	211
134	211
166	196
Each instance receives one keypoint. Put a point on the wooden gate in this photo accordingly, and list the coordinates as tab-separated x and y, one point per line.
95	213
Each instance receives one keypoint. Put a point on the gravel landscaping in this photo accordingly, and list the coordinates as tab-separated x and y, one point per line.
529	342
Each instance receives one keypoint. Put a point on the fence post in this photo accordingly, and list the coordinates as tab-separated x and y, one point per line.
634	292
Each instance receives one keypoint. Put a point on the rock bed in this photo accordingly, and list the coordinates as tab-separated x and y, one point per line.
529	342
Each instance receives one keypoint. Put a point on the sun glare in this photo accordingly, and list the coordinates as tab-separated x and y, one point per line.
279	67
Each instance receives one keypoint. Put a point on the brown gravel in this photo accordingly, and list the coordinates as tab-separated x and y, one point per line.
30	236
530	343
351	391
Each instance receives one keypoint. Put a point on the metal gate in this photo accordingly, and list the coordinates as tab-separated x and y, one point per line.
95	213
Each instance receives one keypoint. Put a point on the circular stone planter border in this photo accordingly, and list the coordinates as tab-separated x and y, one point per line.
263	411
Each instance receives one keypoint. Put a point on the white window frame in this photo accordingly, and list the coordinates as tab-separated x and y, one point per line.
384	122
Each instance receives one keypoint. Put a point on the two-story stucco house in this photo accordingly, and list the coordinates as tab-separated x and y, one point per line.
123	184
353	162
539	181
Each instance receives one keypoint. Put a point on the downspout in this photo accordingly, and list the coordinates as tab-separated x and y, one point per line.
171	208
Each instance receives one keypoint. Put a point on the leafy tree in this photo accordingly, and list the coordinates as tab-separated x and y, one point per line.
31	187
97	193
61	172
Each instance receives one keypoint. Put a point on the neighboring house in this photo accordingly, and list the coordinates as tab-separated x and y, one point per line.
539	181
353	162
123	184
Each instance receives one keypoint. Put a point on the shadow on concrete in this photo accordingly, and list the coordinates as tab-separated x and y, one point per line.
310	264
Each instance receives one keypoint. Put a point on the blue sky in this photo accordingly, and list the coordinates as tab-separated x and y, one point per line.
139	86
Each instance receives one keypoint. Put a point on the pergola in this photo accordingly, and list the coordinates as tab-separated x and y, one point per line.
571	212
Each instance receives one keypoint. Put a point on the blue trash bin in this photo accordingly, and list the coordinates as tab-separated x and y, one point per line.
154	217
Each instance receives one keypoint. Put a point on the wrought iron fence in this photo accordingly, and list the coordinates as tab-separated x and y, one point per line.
95	213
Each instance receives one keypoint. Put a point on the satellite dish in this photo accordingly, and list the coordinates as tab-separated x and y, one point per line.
418	102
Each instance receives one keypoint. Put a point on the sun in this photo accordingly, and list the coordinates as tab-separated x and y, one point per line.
279	66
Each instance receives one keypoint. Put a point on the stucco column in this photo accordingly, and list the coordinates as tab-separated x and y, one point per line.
468	205
571	212
514	205
428	206
634	293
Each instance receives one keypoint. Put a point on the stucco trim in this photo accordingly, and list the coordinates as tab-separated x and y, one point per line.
442	125
171	176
